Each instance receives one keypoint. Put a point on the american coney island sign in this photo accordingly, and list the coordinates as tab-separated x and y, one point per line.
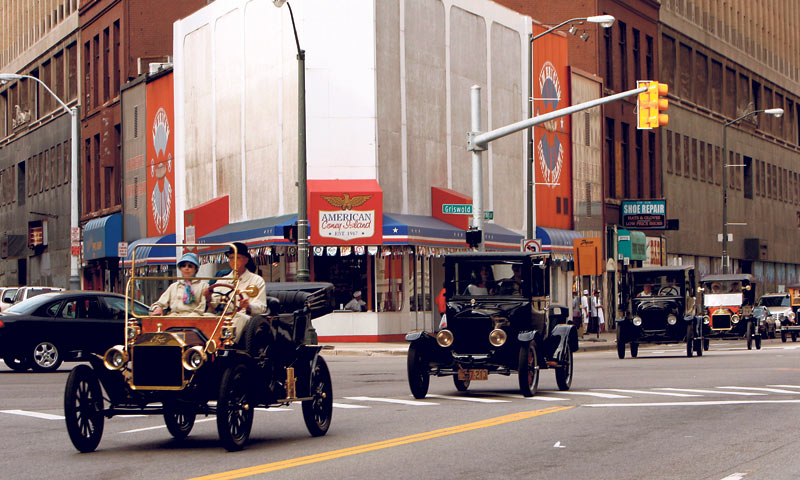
345	212
345	223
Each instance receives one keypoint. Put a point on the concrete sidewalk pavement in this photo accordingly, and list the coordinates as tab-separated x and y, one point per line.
593	342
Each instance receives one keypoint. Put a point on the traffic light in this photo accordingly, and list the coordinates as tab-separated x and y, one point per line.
474	238
650	104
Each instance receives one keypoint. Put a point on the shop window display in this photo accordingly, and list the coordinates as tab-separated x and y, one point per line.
389	286
347	274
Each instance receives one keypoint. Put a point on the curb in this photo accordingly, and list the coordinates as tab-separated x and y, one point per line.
402	350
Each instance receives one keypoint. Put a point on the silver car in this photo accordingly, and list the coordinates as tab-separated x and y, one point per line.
7	297
779	310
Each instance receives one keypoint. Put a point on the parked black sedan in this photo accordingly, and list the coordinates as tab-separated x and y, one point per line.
46	330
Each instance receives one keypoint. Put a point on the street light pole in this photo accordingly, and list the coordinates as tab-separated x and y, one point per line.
302	203
777	112
74	279
604	21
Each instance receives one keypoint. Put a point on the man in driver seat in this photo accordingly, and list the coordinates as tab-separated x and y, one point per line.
513	284
241	263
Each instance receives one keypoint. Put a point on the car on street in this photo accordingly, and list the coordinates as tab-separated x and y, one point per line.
727	308
7	297
778	311
498	321
48	329
658	306
790	326
24	293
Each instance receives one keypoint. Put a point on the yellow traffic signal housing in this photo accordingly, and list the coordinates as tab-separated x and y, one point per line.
658	104
650	106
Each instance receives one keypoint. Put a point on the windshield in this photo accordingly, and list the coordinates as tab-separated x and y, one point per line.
31	303
488	277
776	301
723	286
657	284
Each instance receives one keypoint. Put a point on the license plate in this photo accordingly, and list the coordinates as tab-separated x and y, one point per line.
473	374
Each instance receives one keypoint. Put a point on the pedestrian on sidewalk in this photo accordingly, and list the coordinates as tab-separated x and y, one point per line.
585	310
576	311
596	309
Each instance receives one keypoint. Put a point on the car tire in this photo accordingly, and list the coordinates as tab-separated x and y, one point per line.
45	357
17	363
234	409
749	334
528	369
179	419
83	408
564	372
758	342
794	336
417	366
634	349
461	385
706	344
620	343
318	411
783	336
689	340
256	337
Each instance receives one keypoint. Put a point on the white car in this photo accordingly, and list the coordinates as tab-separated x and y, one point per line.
24	293
779	309
7	297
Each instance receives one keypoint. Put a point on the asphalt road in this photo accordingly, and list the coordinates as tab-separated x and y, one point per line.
731	414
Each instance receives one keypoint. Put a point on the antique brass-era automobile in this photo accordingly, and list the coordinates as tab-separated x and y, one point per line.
658	306
727	310
790	326
184	366
498	320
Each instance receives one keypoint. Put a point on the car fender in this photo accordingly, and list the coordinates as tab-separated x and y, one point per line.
526	336
414	336
567	335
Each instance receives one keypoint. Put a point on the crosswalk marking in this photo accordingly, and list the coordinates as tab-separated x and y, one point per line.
347	405
469	399
690	404
698	390
390	400
645	392
735	476
543	396
595	394
762	389
785	386
25	413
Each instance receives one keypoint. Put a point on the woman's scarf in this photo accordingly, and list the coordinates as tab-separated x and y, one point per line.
188	293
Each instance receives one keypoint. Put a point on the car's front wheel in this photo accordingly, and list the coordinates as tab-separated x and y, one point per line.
620	343
634	349
564	371
418	377
83	408
689	340
318	411
528	370
45	356
15	362
461	385
234	410
179	419
783	336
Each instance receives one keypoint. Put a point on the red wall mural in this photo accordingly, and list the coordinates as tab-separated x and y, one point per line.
552	156
160	157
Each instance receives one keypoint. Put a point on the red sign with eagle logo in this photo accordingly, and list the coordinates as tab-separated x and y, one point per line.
345	212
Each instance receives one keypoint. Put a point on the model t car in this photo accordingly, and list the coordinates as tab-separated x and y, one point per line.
727	311
790	326
497	321
658	306
184	366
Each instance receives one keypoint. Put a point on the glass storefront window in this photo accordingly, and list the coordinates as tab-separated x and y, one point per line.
347	274
420	281
389	283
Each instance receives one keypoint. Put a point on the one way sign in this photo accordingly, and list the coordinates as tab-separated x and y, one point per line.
532	245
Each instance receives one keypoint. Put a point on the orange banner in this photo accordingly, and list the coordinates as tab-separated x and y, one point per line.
160	157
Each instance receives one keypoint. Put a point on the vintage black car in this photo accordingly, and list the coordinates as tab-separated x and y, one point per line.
727	308
181	367
498	320
48	329
658	306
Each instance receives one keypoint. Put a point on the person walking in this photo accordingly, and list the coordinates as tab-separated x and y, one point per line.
595	309
585	310
576	311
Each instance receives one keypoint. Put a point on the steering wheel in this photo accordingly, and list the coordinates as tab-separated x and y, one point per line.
224	295
509	287
669	291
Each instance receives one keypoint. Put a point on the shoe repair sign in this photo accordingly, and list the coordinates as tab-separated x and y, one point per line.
644	214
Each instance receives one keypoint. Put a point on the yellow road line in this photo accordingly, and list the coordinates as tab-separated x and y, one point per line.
369	447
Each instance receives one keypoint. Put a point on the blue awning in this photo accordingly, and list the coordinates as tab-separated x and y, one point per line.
101	237
556	239
152	255
401	229
254	233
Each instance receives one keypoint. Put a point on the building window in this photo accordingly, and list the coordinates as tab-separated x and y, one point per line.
611	188
106	58
748	177
566	205
654	170
687	159
21	183
67	162
96	70
117	50
607	42
626	161
669	151
639	164
587	128
702	167
700	79
649	65
623	56
87	76
758	177
47	102
347	274
72	71
637	55
558	205
718	165
58	75
710	163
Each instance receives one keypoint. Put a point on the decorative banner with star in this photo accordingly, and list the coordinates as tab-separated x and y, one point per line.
552	140
345	212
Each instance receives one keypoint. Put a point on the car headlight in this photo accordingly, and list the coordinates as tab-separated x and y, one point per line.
672	319
735	319
497	337
133	330
194	358
444	338
637	320
706	320
115	358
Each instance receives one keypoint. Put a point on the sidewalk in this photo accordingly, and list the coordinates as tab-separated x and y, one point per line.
606	341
